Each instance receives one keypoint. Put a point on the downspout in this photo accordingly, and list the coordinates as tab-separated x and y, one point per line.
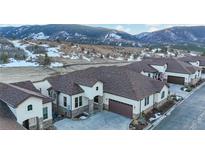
71	105
140	108
57	101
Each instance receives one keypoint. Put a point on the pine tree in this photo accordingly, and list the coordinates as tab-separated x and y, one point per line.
4	58
47	60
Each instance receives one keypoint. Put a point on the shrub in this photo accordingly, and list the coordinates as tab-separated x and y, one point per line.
4	58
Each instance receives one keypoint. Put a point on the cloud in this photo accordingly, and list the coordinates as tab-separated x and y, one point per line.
122	28
152	29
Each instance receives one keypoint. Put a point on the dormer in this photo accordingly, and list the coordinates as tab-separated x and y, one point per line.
94	90
160	68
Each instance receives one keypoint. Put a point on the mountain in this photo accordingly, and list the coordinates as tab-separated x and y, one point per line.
174	35
184	37
70	32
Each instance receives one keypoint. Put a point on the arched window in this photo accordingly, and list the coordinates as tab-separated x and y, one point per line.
29	107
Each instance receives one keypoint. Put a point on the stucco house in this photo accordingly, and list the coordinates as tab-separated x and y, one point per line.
198	61
146	69
172	70
24	107
111	88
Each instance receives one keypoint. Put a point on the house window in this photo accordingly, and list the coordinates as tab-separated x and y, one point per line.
97	88
149	75
76	102
146	101
45	113
65	101
80	101
30	107
163	94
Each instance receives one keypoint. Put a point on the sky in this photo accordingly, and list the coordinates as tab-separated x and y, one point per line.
137	28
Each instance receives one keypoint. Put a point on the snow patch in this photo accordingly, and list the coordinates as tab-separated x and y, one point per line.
56	64
18	63
85	58
53	52
38	36
19	45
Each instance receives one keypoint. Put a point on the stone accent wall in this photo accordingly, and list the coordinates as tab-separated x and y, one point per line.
194	81
80	111
40	123
47	124
61	110
105	107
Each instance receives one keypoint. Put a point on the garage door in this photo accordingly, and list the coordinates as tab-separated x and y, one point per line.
176	80
120	108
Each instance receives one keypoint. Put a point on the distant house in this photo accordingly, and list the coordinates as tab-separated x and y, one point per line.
145	69
112	88
22	106
171	70
198	61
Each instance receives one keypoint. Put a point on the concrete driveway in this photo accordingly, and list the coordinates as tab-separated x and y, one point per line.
176	90
101	121
190	115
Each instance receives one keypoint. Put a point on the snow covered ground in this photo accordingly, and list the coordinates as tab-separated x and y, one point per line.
54	52
38	36
19	45
56	64
18	63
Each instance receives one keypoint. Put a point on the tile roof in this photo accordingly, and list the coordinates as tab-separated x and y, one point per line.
14	95
29	86
116	80
140	66
201	59
173	65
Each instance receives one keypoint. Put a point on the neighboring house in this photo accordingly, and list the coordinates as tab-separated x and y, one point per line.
198	61
145	69
112	88
175	71
24	106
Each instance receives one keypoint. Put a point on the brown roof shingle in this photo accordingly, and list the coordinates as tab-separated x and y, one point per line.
173	65
140	66
116	80
201	59
14	95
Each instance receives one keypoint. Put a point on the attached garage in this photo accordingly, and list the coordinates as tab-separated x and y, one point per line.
175	80
120	108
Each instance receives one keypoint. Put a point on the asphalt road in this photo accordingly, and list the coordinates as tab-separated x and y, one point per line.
190	115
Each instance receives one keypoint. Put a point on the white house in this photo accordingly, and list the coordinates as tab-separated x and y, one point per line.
198	61
113	88
31	109
174	71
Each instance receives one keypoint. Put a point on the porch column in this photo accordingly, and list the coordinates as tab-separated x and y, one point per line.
40	123
100	101
91	106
